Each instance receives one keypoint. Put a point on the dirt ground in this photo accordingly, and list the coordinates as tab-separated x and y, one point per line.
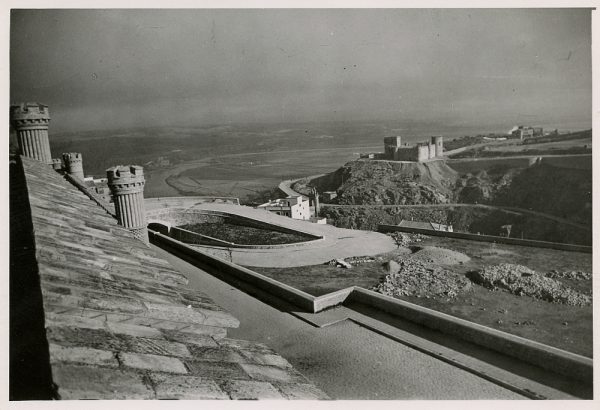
562	326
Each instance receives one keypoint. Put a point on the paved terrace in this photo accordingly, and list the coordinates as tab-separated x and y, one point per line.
113	320
336	242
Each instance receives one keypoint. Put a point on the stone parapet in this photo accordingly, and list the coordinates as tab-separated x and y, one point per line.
30	115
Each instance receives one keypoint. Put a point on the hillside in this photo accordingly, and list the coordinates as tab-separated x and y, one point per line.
468	219
387	183
563	192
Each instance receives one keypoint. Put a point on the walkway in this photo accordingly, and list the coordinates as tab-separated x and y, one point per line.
336	242
346	360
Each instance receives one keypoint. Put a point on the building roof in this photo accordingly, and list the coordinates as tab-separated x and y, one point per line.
423	225
120	322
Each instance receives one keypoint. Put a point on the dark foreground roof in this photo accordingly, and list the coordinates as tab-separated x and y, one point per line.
119	321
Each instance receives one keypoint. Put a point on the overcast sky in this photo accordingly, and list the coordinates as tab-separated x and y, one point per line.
104	69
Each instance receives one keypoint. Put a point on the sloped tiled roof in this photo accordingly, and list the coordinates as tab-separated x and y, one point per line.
121	323
416	224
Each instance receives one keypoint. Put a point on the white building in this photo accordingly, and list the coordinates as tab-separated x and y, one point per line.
296	207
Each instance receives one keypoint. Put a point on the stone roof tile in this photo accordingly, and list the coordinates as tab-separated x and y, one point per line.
119	320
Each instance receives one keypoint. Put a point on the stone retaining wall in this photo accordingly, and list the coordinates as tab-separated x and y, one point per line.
538	354
487	238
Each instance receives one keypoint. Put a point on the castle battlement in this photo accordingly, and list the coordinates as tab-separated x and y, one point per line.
29	112
72	156
125	174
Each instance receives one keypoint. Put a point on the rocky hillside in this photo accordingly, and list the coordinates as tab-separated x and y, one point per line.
387	183
564	192
558	191
468	219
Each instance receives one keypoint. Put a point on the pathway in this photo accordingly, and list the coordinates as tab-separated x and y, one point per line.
346	360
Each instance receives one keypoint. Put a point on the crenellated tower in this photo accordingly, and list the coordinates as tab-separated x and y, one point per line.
73	164
31	120
126	183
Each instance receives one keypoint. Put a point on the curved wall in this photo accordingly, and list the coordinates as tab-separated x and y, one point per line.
168	221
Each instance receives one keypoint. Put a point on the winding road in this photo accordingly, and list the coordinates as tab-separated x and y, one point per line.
286	187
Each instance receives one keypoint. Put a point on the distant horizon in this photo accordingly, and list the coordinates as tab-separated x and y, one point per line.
458	130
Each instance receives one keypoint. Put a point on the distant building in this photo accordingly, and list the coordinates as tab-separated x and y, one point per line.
522	132
426	225
394	150
163	162
295	207
329	195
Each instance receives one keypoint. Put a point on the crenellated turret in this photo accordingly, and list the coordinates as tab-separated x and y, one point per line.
31	120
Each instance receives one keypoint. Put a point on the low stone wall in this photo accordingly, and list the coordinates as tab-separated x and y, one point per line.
473	165
283	291
544	356
487	238
538	354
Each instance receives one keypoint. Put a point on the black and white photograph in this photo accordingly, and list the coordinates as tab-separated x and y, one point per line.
320	202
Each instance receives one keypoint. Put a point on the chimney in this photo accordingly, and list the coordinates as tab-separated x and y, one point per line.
57	165
30	120
73	164
126	183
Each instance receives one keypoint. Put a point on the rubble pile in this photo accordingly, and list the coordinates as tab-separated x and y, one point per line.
352	260
416	278
439	256
522	281
406	239
355	260
575	275
339	263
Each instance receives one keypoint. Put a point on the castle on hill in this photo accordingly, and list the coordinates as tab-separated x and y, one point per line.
394	150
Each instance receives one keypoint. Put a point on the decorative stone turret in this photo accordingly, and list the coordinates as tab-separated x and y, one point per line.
126	183
73	164
57	164
31	120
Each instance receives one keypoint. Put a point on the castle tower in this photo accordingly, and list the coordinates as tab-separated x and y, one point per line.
126	183
439	145
391	146
73	164
431	148
31	120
